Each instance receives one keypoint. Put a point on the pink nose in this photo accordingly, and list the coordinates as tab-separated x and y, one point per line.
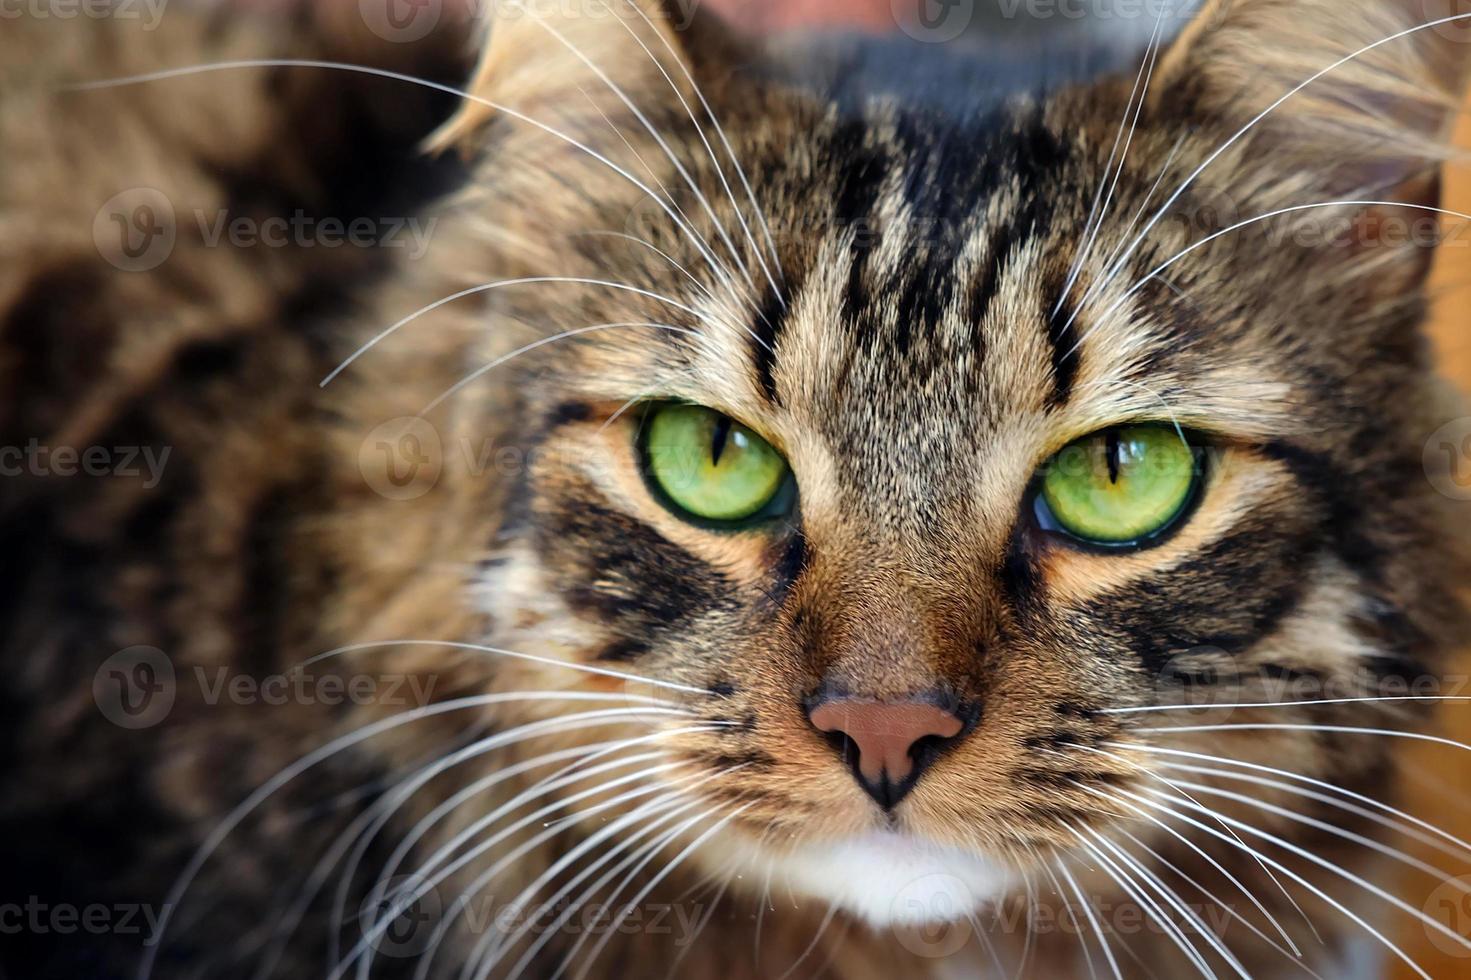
885	736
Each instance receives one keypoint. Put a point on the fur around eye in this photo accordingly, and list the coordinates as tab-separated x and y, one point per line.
1125	487
706	466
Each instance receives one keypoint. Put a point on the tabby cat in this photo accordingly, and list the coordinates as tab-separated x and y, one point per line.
581	492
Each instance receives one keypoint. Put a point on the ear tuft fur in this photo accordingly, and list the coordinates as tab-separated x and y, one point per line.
538	54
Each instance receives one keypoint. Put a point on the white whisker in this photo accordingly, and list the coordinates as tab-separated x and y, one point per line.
653	131
231	820
485	369
1100	207
502	284
653	882
1132	290
505	110
1392	853
725	142
1348	876
719	170
1136	891
401	901
514	655
1314	889
1360	797
1192	918
1093	921
1340	729
1145	709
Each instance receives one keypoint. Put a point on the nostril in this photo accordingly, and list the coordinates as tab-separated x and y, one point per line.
886	743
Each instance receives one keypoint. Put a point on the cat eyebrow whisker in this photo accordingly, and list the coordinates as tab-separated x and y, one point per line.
502	284
1159	215
657	251
169	73
485	369
725	142
1153	189
1108	311
1098	214
723	275
653	131
699	130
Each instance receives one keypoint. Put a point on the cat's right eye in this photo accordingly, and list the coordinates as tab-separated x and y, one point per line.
709	467
1125	487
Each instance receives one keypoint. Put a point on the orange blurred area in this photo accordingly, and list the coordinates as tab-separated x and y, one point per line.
1438	779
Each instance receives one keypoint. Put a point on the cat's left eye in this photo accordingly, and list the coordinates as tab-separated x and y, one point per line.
1122	487
707	466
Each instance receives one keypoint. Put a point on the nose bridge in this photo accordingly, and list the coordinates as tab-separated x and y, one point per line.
886	633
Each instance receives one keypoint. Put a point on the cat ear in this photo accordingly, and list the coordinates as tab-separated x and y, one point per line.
1320	101
551	60
1370	88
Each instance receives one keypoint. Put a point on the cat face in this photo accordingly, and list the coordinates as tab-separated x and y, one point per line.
916	436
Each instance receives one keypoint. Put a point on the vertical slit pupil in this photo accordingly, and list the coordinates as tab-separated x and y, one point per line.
719	438
1111	453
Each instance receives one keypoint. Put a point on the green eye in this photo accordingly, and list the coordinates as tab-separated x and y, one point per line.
1120	487
710	466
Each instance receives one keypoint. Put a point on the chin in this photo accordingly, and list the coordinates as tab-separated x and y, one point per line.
885	878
